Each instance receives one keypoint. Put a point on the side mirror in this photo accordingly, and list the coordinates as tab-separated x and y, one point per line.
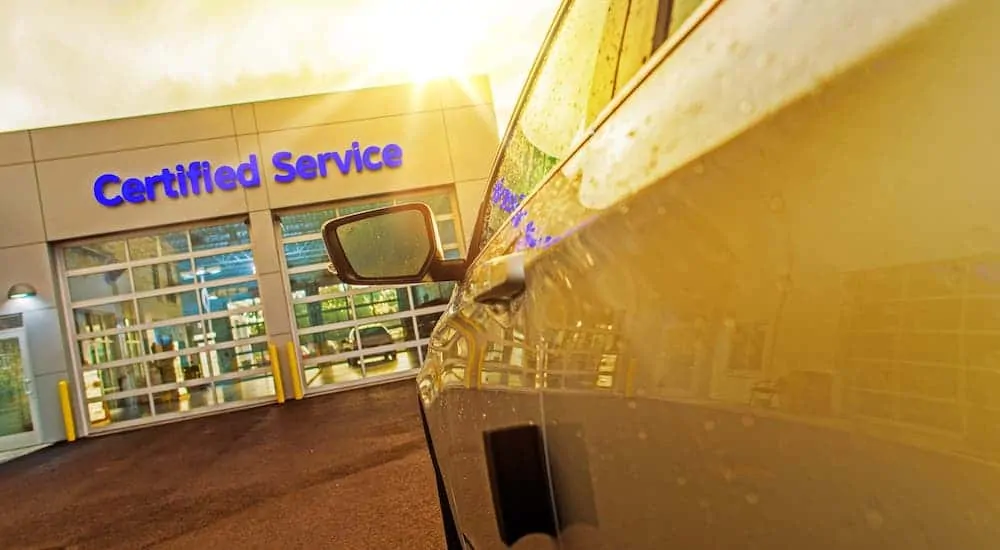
393	245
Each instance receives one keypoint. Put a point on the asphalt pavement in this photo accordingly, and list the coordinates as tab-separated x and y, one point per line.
347	470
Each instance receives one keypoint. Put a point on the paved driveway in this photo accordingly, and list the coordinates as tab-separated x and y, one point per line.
347	470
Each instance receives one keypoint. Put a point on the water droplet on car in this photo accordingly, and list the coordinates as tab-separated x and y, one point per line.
699	168
752	498
746	107
643	435
694	108
777	204
874	518
632	405
682	481
661	210
709	425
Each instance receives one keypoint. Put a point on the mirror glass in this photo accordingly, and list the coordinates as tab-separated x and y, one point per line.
392	244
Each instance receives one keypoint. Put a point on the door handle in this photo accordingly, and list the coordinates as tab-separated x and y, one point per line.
27	386
502	279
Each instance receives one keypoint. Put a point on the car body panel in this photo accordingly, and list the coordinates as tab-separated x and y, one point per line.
767	315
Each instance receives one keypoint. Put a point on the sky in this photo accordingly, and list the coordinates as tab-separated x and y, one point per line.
70	61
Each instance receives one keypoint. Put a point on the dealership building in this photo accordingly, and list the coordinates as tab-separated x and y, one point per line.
166	266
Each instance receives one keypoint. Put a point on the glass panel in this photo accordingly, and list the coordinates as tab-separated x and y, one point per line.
447	233
452	254
105	349
432	294
193	367
327	312
118	410
15	407
220	236
316	283
196	397
381	302
167	401
224	266
391	362
355	208
306	253
163	371
154	246
238	358
118	379
167	306
240	295
236	327
94	255
165	275
99	285
293	225
257	387
104	317
336	371
325	343
376	335
440	204
426	324
171	338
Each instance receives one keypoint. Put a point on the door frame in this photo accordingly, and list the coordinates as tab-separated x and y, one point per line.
34	437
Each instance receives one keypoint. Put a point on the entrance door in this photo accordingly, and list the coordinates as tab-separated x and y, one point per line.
17	396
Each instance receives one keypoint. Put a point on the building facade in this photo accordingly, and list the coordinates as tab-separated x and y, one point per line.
155	263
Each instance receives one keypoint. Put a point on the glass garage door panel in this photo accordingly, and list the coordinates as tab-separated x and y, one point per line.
166	324
348	334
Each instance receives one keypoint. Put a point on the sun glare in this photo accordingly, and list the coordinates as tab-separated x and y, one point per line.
426	40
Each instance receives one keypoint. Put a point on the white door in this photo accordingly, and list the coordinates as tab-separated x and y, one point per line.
17	396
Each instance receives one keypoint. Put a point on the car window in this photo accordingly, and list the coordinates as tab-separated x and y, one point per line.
597	46
372	331
680	11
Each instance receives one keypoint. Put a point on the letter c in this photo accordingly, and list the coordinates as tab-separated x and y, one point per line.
367	157
100	184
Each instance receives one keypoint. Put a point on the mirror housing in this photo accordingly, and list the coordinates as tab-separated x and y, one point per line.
388	246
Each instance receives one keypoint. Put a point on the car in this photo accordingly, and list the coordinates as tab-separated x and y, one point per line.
733	285
370	336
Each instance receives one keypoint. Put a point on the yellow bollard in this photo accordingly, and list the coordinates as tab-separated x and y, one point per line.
67	411
293	368
279	386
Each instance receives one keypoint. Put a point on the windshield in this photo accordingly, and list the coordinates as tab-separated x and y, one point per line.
372	331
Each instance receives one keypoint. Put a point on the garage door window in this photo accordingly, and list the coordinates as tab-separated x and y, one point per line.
166	324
